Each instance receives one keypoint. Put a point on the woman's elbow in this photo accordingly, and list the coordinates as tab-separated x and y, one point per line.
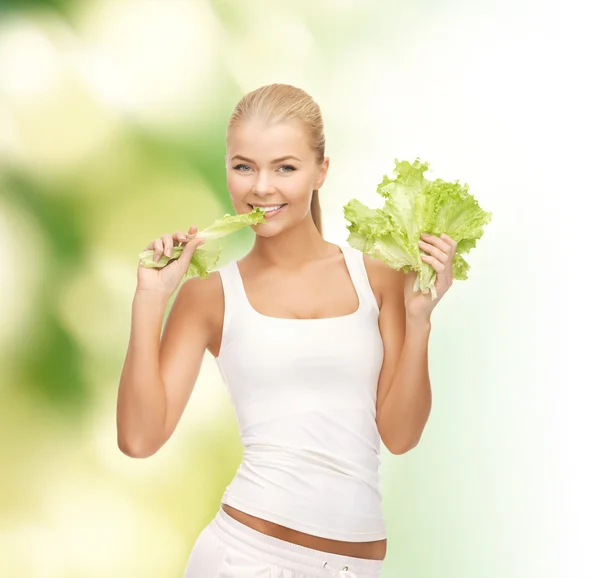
136	449
399	449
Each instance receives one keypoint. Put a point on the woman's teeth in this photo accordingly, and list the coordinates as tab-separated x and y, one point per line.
267	209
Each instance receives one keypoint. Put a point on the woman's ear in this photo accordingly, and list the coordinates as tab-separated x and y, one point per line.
323	169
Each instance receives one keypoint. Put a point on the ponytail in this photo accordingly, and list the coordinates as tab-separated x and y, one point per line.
315	211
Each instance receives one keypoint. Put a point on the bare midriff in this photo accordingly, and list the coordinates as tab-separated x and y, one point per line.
375	550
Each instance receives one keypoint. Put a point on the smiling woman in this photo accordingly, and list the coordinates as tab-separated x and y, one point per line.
296	126
304	366
268	179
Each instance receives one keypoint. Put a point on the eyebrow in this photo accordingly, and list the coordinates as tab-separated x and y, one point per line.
280	159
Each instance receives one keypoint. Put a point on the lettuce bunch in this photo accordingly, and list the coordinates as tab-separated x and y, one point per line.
207	255
415	205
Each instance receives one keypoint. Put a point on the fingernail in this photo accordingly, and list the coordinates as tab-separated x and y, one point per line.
168	252
156	258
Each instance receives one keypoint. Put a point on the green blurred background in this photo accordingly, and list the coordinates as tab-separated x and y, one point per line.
112	125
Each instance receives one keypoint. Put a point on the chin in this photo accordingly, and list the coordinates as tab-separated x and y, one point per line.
266	229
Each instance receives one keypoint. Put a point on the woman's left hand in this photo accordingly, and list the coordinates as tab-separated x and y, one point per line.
440	255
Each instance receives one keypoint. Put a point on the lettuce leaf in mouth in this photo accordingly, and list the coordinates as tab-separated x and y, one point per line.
415	205
207	255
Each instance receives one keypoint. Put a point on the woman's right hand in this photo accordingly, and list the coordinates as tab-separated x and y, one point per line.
165	280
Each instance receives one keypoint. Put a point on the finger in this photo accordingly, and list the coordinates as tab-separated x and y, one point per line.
449	240
167	240
179	237
151	244
438	267
188	251
437	242
192	233
157	245
437	253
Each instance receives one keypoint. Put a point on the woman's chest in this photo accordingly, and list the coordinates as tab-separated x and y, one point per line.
322	292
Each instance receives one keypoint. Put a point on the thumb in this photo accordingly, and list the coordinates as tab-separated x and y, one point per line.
188	251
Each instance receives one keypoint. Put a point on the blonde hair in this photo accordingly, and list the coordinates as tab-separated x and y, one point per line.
281	102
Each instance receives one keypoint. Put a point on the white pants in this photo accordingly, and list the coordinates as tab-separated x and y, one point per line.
227	548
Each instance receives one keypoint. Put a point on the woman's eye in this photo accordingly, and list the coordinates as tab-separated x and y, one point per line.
287	168
241	168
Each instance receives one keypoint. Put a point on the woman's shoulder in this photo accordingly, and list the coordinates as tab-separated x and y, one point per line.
203	289
382	277
203	296
375	267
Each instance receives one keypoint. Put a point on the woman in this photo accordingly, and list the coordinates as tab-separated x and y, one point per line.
323	350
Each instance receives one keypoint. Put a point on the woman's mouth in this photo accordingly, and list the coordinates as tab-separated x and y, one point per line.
271	210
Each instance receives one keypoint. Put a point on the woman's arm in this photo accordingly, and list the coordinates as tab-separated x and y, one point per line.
404	391
159	375
406	318
405	410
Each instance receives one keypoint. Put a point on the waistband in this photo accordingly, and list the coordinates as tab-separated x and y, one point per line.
289	555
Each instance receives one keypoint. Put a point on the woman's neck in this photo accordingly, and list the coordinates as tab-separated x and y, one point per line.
291	248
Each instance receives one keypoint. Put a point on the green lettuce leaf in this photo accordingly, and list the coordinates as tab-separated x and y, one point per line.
206	256
415	205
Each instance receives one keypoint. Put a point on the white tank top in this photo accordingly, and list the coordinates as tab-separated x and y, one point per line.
304	394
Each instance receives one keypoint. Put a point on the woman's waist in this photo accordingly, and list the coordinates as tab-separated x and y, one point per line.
311	492
331	509
370	550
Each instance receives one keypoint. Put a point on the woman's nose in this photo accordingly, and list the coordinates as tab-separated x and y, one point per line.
262	184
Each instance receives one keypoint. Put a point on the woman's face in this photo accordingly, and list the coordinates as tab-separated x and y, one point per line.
270	166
